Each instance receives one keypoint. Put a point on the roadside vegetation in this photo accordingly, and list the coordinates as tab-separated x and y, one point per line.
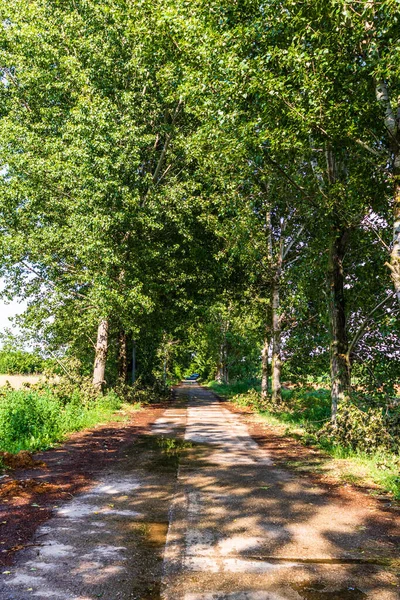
362	451
38	417
19	362
212	188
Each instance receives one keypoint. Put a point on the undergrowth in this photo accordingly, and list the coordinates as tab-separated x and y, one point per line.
364	447
239	387
36	419
41	414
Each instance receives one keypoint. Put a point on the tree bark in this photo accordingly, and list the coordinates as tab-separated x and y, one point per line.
222	367
264	368
164	371
226	370
340	366
395	254
276	362
122	356
276	320
219	376
392	124
133	372
100	360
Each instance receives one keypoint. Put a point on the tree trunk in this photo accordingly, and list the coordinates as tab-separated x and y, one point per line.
340	367
276	334
219	376
133	372
99	368
222	368
392	124
276	363
122	356
395	254
264	368
226	370
165	371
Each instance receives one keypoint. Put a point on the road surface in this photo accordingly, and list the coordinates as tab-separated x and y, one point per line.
198	511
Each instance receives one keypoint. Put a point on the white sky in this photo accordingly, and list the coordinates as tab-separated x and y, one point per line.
7	310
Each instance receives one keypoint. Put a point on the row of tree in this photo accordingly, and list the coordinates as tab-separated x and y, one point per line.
214	181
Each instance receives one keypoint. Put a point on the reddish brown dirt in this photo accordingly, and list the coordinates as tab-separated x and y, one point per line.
22	460
28	495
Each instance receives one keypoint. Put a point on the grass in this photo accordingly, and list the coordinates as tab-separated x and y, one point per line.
36	420
239	387
309	410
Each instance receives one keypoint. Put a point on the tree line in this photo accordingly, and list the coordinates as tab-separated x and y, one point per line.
205	184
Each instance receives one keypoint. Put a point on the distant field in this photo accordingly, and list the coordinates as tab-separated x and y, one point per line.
17	381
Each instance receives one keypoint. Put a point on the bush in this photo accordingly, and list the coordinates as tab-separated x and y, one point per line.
69	389
18	362
26	417
143	394
36	419
364	430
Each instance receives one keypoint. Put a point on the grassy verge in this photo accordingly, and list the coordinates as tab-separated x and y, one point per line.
35	420
229	390
309	410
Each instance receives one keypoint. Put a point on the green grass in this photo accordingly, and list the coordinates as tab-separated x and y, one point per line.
309	410
229	390
347	465
35	420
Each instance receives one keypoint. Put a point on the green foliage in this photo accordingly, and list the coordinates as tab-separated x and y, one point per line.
143	394
367	440
33	419
367	431
110	221
226	340
21	363
303	406
230	389
164	168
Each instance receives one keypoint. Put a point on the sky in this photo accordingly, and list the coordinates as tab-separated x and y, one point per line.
9	309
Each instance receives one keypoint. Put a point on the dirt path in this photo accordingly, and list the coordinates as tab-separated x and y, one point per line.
239	526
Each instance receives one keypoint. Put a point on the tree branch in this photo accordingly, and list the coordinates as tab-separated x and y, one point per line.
364	324
294	240
281	170
382	96
156	175
50	283
378	153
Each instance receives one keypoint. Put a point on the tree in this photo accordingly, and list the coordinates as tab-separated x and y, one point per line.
93	138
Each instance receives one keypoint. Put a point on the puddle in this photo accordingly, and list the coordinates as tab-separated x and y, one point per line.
318	591
154	534
165	452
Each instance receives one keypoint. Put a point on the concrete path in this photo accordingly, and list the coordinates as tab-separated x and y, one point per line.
242	528
238	527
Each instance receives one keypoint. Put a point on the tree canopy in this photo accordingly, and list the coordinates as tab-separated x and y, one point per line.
213	186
